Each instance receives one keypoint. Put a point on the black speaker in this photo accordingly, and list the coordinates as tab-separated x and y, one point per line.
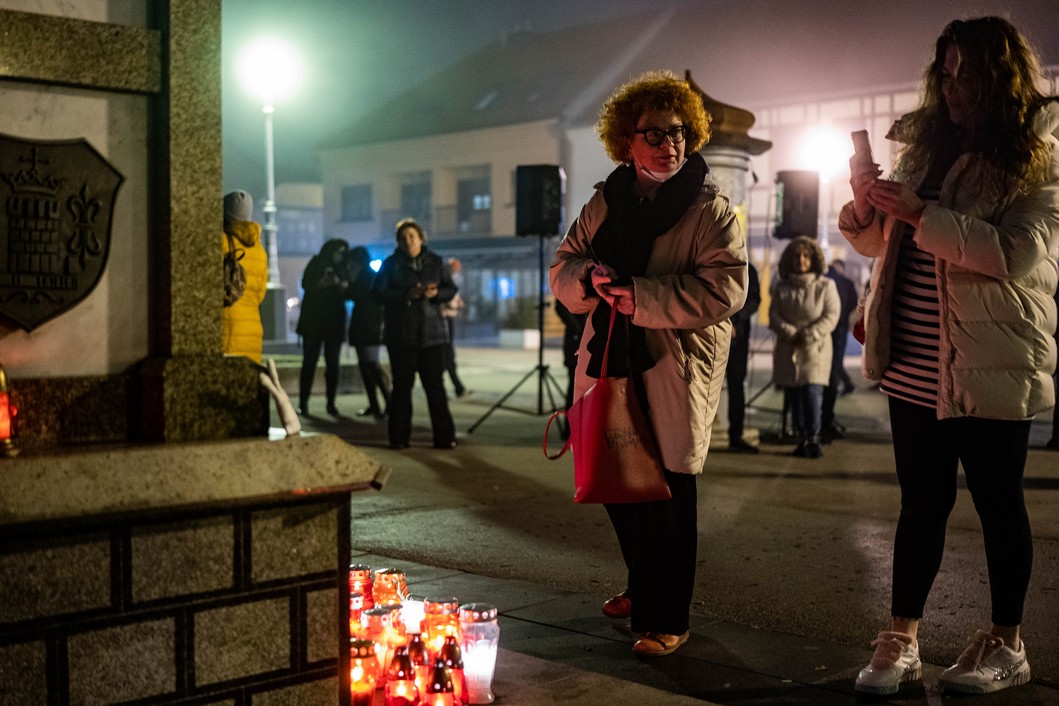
538	199
797	201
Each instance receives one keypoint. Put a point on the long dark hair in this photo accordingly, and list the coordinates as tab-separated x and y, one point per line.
1003	69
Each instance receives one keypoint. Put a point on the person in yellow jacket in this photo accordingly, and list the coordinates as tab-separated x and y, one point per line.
241	322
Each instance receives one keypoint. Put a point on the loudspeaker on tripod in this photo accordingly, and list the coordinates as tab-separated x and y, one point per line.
797	202
539	199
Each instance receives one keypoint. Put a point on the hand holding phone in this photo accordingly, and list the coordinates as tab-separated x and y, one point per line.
862	146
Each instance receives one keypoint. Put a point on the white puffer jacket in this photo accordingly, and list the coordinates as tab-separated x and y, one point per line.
995	263
803	313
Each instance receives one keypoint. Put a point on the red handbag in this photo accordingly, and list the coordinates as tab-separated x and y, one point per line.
616	459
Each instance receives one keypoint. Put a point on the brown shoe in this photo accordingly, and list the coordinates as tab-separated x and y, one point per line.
656	644
619	607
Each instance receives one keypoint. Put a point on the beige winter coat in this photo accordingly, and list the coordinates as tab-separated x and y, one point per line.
995	263
695	280
803	313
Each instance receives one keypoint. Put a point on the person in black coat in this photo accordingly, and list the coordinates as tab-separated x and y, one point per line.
365	332
322	322
840	381
738	357
412	284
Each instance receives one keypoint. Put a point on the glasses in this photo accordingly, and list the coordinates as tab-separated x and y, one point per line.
655	135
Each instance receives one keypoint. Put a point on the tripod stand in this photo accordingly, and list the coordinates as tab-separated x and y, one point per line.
545	381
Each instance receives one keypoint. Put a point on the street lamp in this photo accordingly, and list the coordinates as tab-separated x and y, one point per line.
826	151
270	70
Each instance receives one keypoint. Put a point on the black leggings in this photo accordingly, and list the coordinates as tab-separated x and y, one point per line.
993	454
311	354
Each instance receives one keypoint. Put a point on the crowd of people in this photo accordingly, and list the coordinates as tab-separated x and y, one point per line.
958	323
407	306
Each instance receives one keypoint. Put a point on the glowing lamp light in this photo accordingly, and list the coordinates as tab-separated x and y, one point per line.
412	613
269	69
363	671
825	150
481	636
8	418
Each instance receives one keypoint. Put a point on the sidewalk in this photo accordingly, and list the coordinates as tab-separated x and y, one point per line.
556	646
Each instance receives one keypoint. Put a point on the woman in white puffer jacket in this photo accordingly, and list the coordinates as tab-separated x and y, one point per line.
959	328
804	311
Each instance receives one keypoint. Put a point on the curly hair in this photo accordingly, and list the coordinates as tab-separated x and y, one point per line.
652	91
789	264
1002	69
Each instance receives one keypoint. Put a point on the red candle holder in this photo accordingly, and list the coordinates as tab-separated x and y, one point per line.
439	691
440	620
360	582
400	680
419	654
389	587
363	671
8	420
453	657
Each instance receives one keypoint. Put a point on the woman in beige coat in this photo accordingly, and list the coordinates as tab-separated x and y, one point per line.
804	311
657	243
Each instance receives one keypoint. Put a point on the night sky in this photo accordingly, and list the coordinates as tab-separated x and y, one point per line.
358	54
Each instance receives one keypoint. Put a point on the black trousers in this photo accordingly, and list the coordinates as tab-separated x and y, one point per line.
450	357
429	364
374	378
735	376
839	377
310	355
659	542
993	454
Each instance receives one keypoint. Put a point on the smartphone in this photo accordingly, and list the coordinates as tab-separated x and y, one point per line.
862	146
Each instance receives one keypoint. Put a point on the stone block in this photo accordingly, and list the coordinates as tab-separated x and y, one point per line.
242	641
294	541
316	693
322	622
123	663
23	676
46	578
182	558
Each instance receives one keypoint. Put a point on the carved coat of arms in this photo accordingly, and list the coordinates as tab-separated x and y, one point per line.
58	200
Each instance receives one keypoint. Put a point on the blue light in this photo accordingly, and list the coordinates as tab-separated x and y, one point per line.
376	264
505	288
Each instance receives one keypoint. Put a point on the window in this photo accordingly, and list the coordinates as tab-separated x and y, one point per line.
415	200
356	203
474	204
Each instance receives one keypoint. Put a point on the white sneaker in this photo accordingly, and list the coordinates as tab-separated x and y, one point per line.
896	661
987	665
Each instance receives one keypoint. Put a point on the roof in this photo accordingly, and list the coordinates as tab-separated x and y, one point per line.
526	77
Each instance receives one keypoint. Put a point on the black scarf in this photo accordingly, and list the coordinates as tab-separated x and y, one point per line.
624	241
